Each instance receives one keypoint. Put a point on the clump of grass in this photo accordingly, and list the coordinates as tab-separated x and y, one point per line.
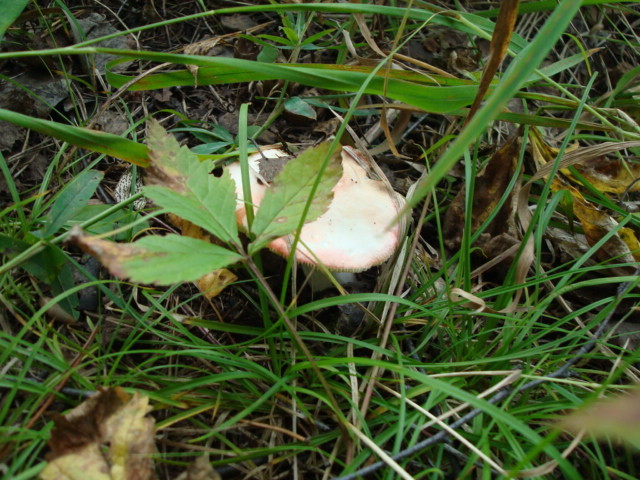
224	375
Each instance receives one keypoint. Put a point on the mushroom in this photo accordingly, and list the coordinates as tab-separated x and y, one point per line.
356	232
263	167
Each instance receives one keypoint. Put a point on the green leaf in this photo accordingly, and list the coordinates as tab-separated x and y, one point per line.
298	106
283	204
11	10
44	265
115	220
185	187
208	148
63	283
71	200
317	36
268	54
159	260
50	265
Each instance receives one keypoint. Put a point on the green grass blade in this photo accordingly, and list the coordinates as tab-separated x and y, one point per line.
11	10
426	12
519	71
93	140
410	88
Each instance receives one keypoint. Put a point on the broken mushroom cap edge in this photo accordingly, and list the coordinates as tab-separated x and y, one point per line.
353	235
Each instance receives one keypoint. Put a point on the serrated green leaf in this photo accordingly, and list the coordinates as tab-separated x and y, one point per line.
159	260
184	186
167	163
283	204
192	208
71	200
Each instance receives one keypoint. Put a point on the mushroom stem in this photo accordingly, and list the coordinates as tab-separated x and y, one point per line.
319	281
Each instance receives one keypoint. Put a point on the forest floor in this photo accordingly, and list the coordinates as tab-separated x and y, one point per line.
500	339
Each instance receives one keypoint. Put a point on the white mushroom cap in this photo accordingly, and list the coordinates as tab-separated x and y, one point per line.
258	184
356	231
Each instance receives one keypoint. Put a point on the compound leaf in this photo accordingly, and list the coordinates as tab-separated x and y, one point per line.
184	186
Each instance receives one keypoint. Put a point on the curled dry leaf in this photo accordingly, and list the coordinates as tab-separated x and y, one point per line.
491	184
613	176
500	40
109	436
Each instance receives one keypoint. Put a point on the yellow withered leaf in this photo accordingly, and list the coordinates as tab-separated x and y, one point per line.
109	436
212	284
611	175
623	245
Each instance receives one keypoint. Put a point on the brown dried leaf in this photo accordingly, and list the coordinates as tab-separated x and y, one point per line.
617	417
202	47
106	437
238	22
491	183
502	32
